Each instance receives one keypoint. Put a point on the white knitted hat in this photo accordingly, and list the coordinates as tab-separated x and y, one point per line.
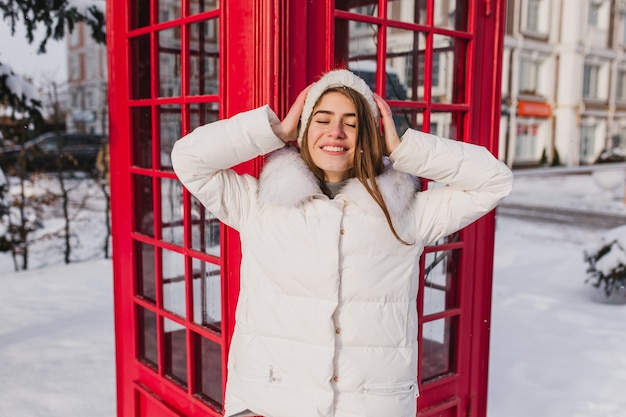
335	78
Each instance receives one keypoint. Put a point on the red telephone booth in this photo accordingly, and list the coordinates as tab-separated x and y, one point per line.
175	65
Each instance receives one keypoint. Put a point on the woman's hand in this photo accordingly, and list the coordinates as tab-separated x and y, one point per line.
287	130
392	140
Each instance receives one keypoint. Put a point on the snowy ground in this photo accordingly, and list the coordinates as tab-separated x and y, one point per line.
56	342
554	351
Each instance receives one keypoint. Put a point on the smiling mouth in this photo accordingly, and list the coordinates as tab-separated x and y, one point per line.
334	148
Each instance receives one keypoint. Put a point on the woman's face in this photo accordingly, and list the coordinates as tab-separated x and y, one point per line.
331	137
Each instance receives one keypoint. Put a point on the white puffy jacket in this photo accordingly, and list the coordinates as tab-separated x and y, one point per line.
326	321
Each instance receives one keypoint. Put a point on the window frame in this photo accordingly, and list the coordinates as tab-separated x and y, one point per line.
535	18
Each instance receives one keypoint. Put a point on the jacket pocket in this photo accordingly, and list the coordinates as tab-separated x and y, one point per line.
398	388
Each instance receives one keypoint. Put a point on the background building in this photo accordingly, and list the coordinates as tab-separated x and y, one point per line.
563	81
87	83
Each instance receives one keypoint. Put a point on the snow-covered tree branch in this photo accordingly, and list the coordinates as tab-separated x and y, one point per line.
57	17
19	94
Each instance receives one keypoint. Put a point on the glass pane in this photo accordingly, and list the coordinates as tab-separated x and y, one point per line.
169	62
405	74
203	113
141	118
140	65
406	118
209	371
207	294
175	351
437	348
447	125
355	48
144	212
448	70
367	7
139	13
173	282
455	237
423	125
205	229
168	10
412	11
199	6
204	57
440	281
172	211
146	278
171	131
451	14
147	337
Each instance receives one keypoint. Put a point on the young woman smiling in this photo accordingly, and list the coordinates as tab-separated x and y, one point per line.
331	234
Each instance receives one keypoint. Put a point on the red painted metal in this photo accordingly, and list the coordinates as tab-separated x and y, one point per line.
121	194
490	35
268	51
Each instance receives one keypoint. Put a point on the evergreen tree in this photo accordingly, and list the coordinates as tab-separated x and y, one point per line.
21	216
4	213
556	161
543	161
57	17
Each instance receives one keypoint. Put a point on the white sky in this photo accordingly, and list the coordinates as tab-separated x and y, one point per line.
24	59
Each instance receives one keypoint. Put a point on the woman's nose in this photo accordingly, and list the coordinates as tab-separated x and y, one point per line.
336	130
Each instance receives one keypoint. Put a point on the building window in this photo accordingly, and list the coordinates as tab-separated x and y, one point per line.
536	14
587	141
594	11
623	20
533	16
526	141
90	64
89	100
74	37
618	139
74	68
435	82
620	92
529	76
590	81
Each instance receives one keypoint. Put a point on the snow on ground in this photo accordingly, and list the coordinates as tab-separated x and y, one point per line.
576	191
56	342
554	351
87	226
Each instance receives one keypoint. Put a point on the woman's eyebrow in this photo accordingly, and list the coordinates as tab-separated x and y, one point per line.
328	112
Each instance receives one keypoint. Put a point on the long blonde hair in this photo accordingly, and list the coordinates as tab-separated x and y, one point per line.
368	154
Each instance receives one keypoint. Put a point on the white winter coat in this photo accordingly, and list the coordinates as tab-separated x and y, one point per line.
326	321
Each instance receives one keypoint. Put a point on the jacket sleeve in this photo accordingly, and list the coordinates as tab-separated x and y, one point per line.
203	158
474	182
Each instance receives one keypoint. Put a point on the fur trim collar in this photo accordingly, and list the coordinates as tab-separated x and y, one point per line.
286	181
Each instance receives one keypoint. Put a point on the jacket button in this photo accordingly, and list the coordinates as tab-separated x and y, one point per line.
335	378
337	330
343	232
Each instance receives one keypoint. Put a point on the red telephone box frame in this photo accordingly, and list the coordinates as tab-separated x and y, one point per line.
266	50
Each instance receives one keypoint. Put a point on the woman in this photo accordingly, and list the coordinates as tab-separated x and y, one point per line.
326	321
